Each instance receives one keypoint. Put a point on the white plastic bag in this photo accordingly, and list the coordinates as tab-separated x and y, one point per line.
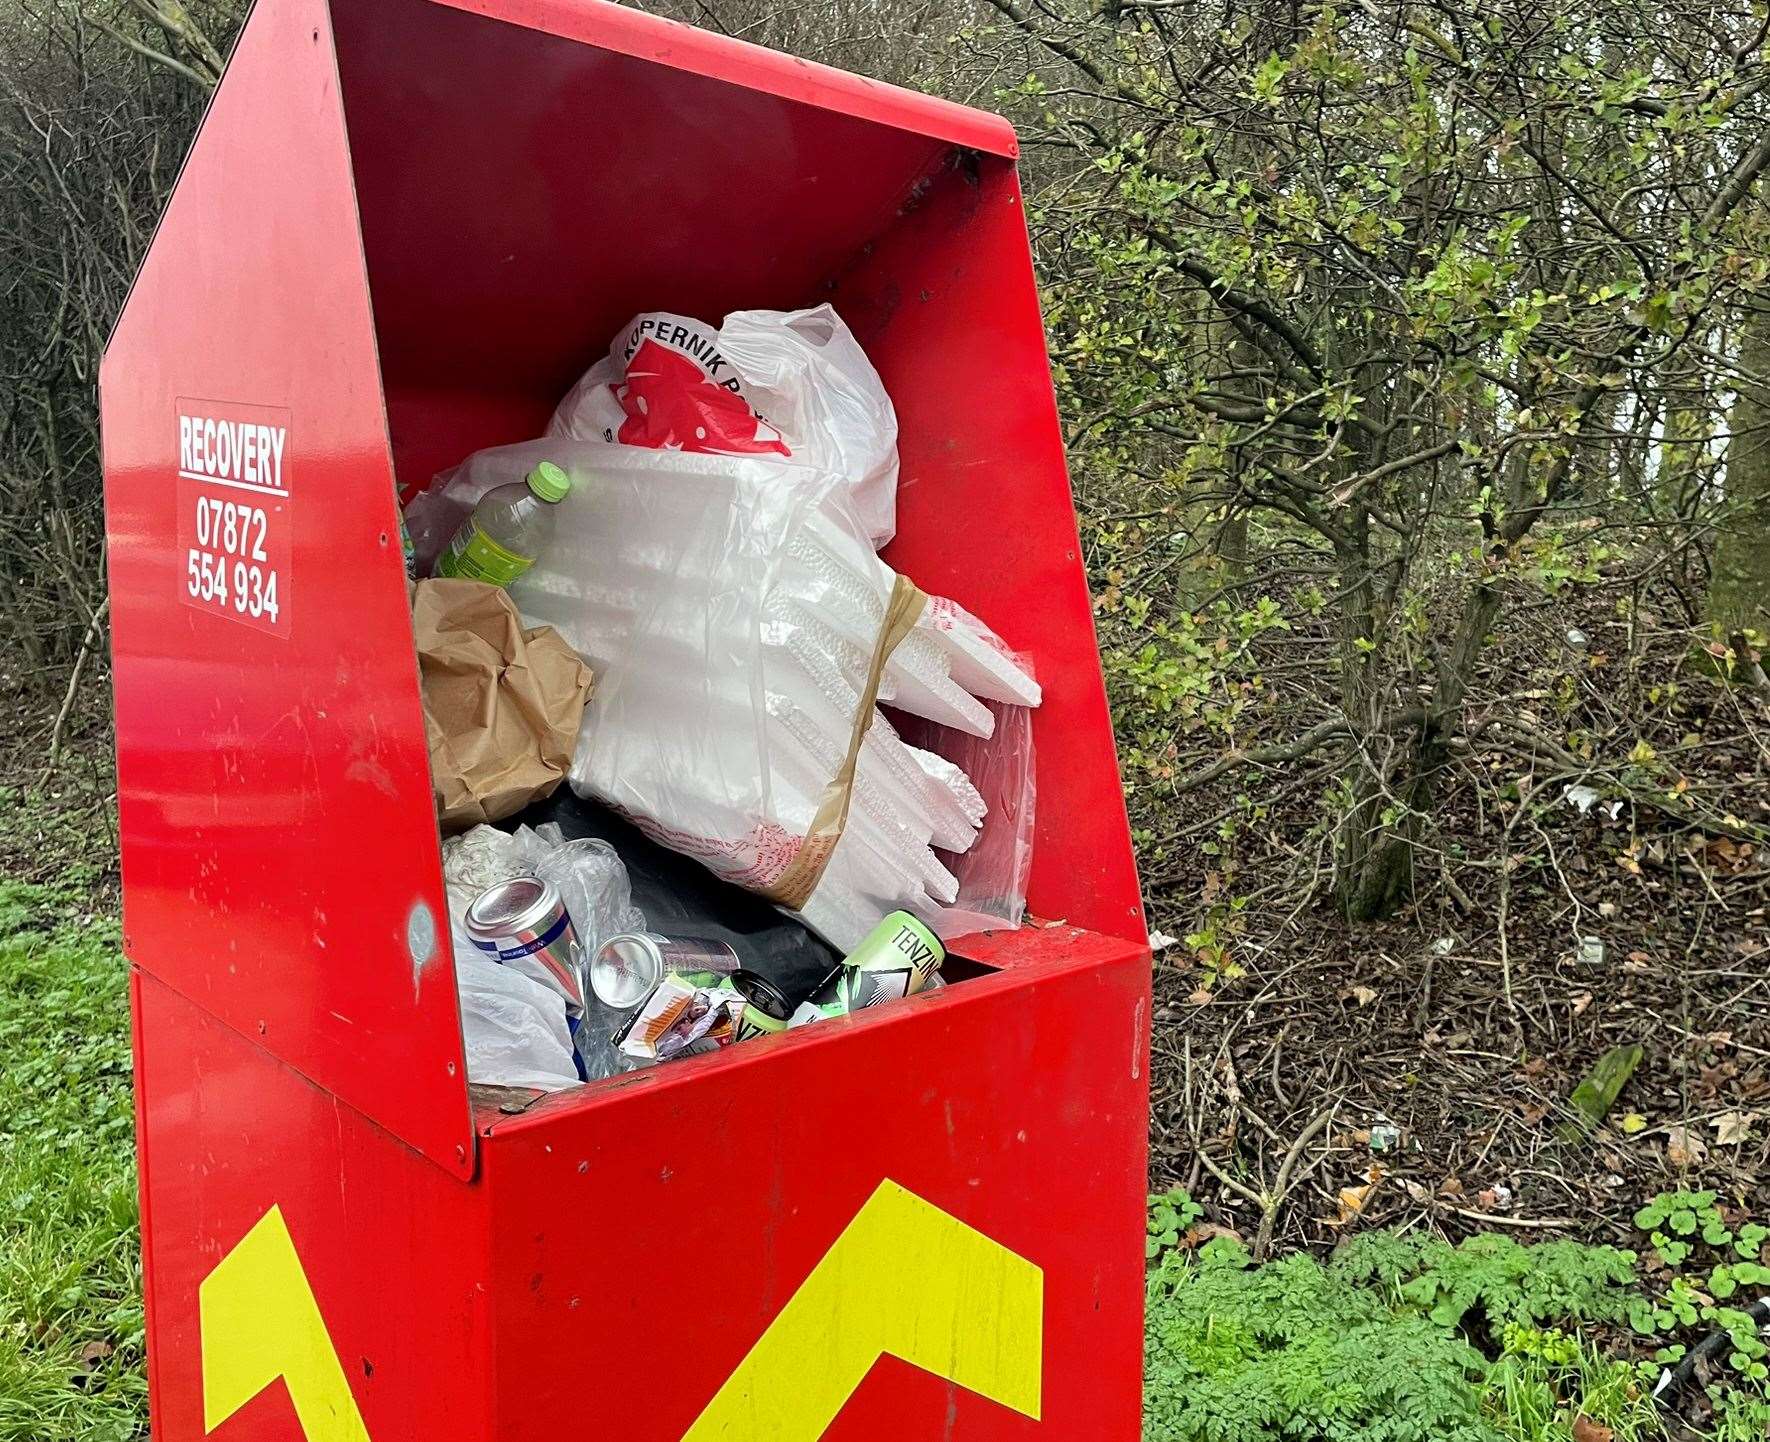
795	387
513	1029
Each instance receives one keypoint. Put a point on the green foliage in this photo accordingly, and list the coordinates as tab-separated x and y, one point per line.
1741	1417
1405	317
1171	1215
1502	1282
1711	1262
1291	1349
1191	673
1375	1345
71	1329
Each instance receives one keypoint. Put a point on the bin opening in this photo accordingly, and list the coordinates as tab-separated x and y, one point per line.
524	195
525	189
681	906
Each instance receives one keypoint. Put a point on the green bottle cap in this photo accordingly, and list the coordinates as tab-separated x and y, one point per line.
549	482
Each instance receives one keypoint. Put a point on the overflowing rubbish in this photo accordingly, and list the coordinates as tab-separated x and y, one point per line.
502	702
698	529
500	885
714	563
590	990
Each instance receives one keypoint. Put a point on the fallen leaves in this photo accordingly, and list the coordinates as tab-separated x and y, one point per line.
1352	1200
1586	1430
1726	854
1733	1128
1684	1147
90	1358
1201	1232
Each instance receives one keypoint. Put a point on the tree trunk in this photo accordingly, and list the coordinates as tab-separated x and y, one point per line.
1232	545
1739	594
1373	864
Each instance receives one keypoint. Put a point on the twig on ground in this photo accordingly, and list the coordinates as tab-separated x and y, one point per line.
1282	1184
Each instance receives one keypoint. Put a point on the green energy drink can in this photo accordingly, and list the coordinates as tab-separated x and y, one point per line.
765	1011
896	960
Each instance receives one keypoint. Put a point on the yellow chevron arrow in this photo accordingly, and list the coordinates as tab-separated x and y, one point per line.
259	1322
904	1278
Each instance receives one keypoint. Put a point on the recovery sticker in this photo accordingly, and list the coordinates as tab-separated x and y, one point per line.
233	512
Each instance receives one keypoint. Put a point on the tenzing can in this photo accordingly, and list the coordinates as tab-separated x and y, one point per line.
896	959
627	968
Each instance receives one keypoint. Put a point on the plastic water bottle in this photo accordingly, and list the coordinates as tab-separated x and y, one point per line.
507	529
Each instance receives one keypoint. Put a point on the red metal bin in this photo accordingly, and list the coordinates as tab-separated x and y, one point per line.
406	226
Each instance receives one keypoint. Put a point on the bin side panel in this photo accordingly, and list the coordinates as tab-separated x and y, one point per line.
355	1304
280	858
928	1223
947	306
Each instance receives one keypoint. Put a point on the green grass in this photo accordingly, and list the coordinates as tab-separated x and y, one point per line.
1546	1379
71	1342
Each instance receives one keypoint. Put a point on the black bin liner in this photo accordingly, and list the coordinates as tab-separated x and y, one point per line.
680	897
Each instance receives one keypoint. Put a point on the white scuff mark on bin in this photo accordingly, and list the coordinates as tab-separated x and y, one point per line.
420	941
1137	1041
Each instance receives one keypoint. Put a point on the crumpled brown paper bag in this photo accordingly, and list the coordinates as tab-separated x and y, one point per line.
501	705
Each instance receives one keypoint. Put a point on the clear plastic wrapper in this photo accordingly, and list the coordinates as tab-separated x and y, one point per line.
993	871
592	881
477	859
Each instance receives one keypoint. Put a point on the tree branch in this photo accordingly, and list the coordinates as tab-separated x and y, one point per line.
1265	755
159	57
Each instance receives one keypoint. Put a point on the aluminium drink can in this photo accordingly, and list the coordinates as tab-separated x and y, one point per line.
896	959
523	924
766	1011
627	968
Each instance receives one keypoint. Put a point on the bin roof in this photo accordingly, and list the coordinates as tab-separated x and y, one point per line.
335	259
621	30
